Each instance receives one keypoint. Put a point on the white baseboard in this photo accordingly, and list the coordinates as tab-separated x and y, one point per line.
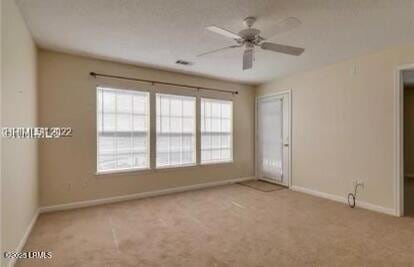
373	207
95	202
25	236
360	204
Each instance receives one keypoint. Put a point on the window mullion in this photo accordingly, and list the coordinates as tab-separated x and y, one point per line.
102	127
169	132
221	131
182	133
198	122
133	158
116	130
211	130
153	128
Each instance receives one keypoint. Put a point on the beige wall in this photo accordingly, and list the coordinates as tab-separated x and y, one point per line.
18	109
67	166
342	122
409	131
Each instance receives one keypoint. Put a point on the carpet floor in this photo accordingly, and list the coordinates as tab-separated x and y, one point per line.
231	225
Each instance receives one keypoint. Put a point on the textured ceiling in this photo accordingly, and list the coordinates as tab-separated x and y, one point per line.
158	32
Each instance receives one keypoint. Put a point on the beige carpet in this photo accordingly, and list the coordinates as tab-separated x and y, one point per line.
224	226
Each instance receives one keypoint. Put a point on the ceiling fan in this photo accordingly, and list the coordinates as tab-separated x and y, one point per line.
250	37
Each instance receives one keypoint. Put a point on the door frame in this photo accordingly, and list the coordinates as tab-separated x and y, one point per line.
289	103
399	138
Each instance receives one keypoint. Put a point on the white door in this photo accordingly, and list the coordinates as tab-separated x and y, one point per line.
273	138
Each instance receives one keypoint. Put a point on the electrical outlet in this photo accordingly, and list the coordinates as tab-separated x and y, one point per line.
358	183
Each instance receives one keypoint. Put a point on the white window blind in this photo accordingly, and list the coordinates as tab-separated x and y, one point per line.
175	130
122	129
216	131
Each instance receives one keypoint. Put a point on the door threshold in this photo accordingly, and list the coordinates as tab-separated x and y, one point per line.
272	182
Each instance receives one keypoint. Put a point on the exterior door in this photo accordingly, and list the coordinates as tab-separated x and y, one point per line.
273	138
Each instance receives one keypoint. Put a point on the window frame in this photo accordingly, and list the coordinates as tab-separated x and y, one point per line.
194	131
148	154
231	132
152	91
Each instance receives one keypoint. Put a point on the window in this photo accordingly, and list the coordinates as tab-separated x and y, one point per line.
122	129
175	130
216	131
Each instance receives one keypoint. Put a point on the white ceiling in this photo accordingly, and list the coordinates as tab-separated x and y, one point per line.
158	32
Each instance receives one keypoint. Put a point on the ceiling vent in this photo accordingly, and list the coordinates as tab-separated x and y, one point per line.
183	62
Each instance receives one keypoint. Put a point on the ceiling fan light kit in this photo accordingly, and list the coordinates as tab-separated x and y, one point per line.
250	37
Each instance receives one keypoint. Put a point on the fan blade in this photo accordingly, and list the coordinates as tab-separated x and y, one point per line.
217	50
284	49
285	25
247	59
223	32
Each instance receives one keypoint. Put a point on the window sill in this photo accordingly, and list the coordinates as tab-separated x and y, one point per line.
123	172
176	167
217	163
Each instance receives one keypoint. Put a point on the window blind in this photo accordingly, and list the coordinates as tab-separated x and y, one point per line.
175	130
216	130
122	129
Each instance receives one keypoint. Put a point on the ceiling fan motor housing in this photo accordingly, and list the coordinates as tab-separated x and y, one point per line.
249	34
249	21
